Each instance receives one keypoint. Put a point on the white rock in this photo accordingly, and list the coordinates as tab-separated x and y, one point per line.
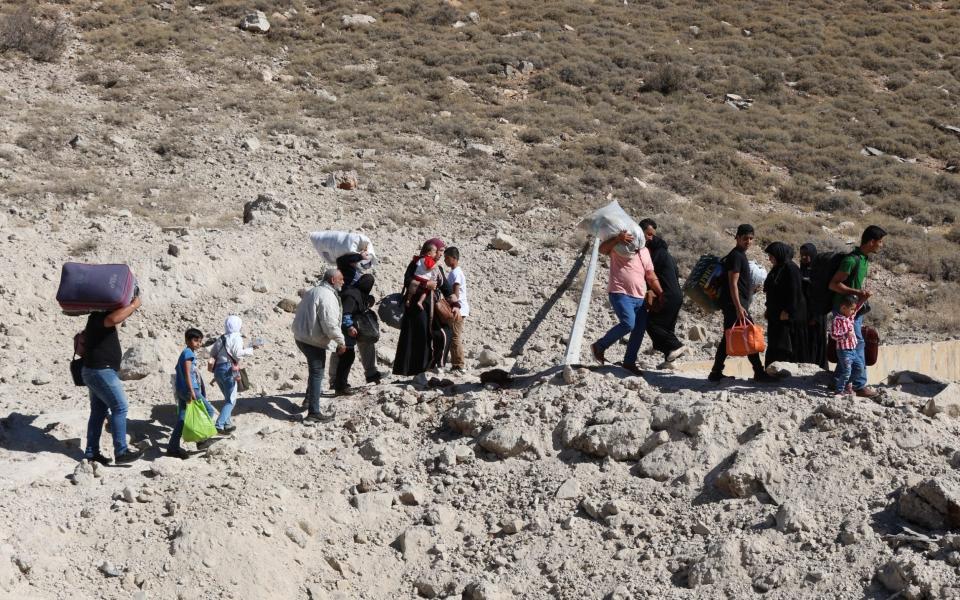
357	20
570	490
251	144
415	541
512	525
505	242
255	22
946	402
140	361
507	440
488	358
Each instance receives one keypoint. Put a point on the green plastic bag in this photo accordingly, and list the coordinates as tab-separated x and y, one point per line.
197	424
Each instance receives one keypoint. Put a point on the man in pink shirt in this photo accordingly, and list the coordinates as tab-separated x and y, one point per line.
631	271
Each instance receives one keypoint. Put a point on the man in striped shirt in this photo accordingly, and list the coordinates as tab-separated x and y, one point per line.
850	366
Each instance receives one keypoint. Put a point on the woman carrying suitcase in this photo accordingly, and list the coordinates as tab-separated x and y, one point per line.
101	362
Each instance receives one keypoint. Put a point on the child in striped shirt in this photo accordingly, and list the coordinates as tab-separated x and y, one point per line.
849	366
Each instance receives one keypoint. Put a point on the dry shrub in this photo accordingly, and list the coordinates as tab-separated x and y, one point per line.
43	39
667	79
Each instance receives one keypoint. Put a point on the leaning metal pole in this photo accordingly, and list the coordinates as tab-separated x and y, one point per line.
575	343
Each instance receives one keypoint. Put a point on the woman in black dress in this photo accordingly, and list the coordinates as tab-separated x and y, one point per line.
665	309
816	323
424	340
786	308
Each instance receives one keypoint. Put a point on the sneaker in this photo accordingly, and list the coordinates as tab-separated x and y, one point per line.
347	391
716	377
178	453
764	377
204	444
229	428
376	378
633	368
129	456
867	392
320	417
674	355
597	354
103	460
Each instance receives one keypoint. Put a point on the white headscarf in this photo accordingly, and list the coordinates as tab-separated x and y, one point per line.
232	324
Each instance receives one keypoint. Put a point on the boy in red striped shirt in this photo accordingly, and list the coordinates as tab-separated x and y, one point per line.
849	364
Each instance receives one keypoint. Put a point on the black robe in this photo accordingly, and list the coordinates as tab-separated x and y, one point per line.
786	339
816	326
662	322
424	341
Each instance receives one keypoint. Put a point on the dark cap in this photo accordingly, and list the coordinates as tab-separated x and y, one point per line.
745	229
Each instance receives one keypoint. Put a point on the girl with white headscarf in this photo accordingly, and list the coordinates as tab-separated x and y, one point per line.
225	356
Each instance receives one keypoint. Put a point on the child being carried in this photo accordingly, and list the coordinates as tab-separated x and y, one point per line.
427	269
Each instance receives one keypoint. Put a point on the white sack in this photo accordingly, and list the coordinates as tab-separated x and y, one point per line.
610	220
331	245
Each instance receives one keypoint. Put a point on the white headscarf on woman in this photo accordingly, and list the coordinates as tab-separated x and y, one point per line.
232	324
234	341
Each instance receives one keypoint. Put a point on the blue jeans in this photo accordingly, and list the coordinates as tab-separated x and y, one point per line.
850	369
859	379
316	363
106	396
633	320
182	399
223	373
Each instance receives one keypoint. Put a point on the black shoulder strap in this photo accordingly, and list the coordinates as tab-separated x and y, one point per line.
223	347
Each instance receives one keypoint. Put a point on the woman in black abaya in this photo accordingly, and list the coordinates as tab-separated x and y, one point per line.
816	323
786	308
424	341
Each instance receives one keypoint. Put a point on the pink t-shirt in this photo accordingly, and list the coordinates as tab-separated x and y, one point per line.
628	275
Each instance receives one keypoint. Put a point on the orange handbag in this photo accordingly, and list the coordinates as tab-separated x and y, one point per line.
744	338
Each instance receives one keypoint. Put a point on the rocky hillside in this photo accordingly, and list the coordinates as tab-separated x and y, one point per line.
203	154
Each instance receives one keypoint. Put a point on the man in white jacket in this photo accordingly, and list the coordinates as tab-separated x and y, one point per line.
316	327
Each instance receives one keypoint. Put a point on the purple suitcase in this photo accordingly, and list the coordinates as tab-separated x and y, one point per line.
94	288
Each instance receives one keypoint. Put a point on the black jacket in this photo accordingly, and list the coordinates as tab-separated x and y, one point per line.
665	267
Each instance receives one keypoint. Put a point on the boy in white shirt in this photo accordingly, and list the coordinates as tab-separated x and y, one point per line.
458	281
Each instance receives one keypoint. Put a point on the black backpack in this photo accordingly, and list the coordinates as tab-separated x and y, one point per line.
825	265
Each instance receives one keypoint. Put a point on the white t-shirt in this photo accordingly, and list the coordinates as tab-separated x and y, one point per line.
454	277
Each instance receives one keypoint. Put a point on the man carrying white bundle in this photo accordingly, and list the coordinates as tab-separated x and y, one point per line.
631	271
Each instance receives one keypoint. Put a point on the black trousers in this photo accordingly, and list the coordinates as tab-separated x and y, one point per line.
729	318
661	326
342	374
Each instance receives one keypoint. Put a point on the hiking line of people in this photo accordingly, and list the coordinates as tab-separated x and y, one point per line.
336	316
801	300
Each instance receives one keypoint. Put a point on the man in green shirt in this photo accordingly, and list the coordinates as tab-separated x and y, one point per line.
850	280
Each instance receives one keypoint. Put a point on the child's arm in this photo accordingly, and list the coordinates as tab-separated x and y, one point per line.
187	369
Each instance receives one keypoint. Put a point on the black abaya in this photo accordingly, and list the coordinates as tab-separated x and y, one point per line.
661	324
786	338
424	341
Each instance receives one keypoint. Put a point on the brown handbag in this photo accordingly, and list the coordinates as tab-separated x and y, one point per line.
443	311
